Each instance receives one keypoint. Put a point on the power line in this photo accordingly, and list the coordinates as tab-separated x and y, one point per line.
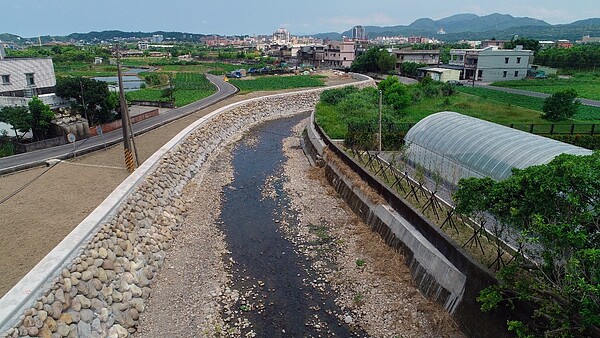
11	195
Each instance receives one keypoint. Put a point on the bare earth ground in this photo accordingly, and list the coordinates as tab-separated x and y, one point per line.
36	219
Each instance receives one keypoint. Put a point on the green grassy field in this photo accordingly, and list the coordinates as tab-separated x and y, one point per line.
335	122
587	85
585	114
84	69
483	103
186	68
277	82
189	87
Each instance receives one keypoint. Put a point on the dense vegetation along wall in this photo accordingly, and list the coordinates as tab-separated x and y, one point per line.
104	289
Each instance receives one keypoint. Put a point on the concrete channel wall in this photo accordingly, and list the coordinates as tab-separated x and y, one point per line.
96	282
443	271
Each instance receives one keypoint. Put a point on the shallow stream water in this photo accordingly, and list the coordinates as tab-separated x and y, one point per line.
279	300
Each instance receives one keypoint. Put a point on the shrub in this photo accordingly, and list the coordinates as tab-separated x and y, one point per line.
561	105
335	96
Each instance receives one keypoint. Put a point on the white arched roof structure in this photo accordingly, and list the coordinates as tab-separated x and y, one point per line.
458	146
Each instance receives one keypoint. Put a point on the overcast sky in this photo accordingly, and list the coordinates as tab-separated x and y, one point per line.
30	18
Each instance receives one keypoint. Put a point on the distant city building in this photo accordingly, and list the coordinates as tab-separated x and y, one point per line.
311	56
547	43
590	39
281	37
491	63
493	43
359	33
339	54
441	31
156	38
417	39
564	44
473	44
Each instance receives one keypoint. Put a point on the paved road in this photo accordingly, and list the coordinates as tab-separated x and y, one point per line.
586	102
35	158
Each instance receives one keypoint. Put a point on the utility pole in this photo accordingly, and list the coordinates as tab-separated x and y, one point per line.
171	88
131	159
83	103
379	137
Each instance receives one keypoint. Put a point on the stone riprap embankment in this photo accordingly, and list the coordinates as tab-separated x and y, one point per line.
103	289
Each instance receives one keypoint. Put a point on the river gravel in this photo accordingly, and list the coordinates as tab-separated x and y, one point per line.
193	297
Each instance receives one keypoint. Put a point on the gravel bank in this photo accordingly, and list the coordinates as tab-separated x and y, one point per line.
191	296
373	285
185	301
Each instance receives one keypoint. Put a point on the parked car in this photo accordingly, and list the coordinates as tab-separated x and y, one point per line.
234	75
454	82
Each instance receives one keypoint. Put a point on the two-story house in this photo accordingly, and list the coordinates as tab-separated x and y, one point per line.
26	77
428	57
491	63
23	78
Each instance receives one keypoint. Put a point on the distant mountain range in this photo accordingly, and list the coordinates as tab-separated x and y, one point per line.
475	27
457	27
105	36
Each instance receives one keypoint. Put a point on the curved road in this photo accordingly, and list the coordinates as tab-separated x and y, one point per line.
39	157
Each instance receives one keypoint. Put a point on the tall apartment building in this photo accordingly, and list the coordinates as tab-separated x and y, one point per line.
359	33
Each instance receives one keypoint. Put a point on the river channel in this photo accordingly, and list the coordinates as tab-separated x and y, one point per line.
275	279
131	80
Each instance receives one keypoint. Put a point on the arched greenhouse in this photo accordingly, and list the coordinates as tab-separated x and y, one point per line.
457	146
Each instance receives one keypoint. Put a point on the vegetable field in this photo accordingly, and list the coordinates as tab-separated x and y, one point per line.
189	87
277	82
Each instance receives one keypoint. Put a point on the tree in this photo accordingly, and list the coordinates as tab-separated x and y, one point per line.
528	44
410	68
556	209
579	57
41	115
374	60
18	117
93	98
561	105
394	93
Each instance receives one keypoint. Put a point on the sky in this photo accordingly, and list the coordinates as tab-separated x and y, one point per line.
30	18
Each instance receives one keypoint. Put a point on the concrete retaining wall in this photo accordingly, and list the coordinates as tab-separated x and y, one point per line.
443	271
435	276
97	280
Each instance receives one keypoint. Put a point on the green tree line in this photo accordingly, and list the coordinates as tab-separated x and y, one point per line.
580	57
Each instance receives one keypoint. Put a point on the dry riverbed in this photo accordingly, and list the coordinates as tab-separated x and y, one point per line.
194	295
